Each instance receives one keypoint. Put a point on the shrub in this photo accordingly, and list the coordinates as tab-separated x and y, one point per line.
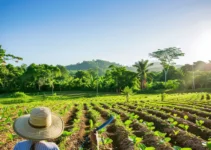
19	95
170	84
163	96
15	101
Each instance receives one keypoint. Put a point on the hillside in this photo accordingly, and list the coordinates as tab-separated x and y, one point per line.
103	66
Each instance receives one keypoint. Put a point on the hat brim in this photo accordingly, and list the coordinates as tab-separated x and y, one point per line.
22	128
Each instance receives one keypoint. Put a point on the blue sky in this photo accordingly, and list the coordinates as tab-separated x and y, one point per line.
124	31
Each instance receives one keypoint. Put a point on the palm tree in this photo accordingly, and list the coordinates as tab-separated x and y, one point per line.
142	70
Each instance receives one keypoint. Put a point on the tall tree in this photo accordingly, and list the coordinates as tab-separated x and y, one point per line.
142	70
5	57
166	57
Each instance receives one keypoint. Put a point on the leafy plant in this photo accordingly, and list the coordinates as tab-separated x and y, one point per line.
128	122
91	123
150	125
11	136
106	141
186	117
183	126
176	132
163	96
136	140
66	133
143	147
199	123
172	122
179	148
163	137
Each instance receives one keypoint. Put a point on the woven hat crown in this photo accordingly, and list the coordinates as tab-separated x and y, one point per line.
40	117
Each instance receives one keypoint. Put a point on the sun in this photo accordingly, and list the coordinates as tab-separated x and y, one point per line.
201	46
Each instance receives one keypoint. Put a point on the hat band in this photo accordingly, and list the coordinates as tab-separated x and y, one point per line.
34	126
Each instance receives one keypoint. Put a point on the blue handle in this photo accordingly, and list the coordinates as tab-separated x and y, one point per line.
97	129
105	123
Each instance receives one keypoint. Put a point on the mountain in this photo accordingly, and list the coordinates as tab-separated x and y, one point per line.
103	65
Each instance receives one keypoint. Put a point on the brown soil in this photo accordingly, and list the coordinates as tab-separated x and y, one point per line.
192	118
193	128
74	141
183	139
120	138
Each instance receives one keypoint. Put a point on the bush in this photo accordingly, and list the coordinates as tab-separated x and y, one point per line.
15	101
163	96
19	95
172	84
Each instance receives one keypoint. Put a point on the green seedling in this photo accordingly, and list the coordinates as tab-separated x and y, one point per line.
106	141
91	123
172	122
179	148
143	147
186	117
66	133
199	123
183	126
136	140
11	136
128	122
176	132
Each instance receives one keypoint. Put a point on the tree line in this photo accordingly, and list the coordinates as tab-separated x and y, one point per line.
44	77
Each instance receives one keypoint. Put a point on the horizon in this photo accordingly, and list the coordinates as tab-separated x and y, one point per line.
69	32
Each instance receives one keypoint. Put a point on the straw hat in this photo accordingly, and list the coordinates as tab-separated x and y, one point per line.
40	124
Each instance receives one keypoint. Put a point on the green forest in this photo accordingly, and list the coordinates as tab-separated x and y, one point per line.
105	76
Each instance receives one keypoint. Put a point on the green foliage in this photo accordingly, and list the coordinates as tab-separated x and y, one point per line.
66	133
143	147
179	148
91	123
143	71
163	96
166	57
19	95
207	145
107	141
202	97
127	92
208	96
186	117
183	126
11	136
136	140
199	123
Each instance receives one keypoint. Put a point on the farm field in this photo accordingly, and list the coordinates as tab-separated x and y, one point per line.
146	122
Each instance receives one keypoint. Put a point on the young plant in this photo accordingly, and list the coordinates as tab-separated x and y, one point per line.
150	125
172	122
199	123
186	117
136	140
66	133
163	137
11	136
179	148
106	141
176	132
184	126
143	147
